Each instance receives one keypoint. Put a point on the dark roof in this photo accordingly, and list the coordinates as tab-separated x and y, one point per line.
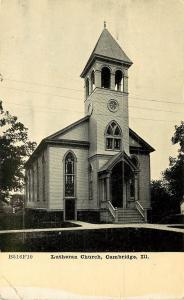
142	142
107	47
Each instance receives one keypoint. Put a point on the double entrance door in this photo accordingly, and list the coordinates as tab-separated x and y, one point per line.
119	180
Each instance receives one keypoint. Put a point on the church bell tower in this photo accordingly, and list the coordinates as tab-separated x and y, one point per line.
106	96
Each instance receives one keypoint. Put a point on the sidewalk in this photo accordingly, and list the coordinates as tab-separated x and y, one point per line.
85	225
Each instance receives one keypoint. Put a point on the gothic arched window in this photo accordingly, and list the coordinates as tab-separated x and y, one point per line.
113	136
135	161
69	175
119	82
92	80
105	78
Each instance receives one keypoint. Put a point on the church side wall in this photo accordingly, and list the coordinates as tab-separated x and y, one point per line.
36	190
56	177
144	180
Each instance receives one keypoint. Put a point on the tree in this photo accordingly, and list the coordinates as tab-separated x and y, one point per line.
167	193
174	174
162	202
15	148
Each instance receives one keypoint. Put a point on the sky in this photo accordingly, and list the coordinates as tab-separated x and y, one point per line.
44	45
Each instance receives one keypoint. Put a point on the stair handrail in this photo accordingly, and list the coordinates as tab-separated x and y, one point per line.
112	210
141	210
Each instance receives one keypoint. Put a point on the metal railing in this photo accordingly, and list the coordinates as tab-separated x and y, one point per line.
113	211
141	210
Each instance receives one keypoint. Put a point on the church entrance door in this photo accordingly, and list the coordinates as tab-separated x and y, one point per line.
69	209
117	186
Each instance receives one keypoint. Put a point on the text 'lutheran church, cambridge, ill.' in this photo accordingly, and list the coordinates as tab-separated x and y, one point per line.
96	169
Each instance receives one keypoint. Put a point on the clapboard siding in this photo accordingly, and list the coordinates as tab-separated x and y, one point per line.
36	199
101	117
144	180
56	177
79	132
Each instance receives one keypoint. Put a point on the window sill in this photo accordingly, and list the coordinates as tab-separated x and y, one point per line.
115	150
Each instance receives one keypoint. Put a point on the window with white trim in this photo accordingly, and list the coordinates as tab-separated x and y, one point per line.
69	175
113	136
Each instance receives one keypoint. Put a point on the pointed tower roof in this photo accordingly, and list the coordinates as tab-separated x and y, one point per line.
107	47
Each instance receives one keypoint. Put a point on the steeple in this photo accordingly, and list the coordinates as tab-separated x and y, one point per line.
107	48
106	96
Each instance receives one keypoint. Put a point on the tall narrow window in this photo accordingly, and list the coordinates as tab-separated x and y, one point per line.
33	182
119	82
105	78
38	180
90	182
26	186
43	177
92	80
87	87
30	185
135	161
113	136
70	175
132	187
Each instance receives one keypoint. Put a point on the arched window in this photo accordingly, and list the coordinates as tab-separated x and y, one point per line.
90	182
113	136
92	80
135	161
119	82
105	78
69	175
87	87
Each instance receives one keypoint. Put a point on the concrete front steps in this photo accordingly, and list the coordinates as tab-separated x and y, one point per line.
127	216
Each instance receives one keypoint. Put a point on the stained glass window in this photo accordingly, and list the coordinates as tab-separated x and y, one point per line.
69	175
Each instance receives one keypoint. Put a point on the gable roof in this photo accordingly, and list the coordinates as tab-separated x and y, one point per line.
69	127
107	47
142	142
113	161
51	140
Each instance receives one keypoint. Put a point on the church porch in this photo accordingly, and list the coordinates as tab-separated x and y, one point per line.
119	191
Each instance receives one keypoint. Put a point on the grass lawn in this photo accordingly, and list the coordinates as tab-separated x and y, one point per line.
95	240
15	221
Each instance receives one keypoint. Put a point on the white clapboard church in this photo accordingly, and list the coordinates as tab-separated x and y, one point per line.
96	169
